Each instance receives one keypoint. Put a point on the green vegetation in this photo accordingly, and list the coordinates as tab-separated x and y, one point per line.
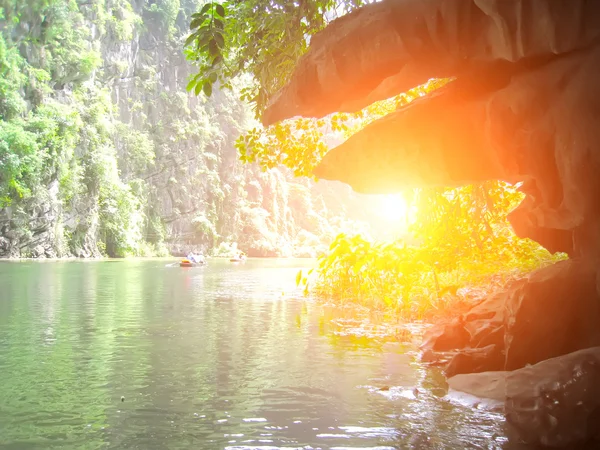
263	38
57	135
463	240
102	150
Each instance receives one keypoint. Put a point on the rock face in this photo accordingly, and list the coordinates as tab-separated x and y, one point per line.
521	108
554	403
137	164
557	311
511	134
551	312
388	47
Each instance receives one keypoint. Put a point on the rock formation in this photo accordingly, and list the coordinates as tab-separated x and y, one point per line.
521	108
554	403
511	61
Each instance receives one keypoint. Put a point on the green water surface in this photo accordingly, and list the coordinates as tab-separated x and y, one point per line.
225	356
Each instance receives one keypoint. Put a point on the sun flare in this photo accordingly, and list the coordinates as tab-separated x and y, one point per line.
394	208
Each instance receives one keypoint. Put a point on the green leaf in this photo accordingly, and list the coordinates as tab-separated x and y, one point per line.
219	40
220	10
212	77
198	89
213	48
205	8
218	24
204	40
207	88
217	59
196	23
298	277
191	38
191	85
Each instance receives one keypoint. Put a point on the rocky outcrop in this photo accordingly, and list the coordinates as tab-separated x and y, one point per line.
519	109
388	47
33	228
510	134
554	403
557	311
551	312
522	107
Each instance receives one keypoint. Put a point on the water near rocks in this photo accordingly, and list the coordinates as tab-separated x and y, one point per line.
134	354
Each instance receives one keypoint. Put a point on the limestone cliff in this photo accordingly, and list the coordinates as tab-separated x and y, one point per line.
103	151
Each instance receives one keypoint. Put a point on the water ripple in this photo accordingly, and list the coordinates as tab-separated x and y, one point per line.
134	354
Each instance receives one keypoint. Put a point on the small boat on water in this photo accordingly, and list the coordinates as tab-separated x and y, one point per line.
241	258
188	263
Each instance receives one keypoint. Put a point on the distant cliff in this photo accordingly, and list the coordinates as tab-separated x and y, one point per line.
103	152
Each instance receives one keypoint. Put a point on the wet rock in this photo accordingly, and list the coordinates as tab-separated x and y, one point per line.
436	358
479	327
485	322
487	385
472	342
555	403
557	311
475	360
447	335
551	312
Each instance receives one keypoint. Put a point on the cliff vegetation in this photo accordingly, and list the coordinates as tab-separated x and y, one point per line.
104	152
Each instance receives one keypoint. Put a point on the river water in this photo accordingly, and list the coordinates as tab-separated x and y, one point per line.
135	354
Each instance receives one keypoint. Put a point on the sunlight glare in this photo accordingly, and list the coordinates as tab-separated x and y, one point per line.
394	208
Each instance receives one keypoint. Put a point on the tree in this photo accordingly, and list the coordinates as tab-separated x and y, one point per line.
262	37
266	39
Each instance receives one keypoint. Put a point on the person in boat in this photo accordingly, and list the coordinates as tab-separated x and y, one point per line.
196	257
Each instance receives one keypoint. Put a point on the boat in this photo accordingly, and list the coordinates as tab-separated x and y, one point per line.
188	263
238	259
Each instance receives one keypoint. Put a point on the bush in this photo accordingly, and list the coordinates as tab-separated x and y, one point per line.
466	241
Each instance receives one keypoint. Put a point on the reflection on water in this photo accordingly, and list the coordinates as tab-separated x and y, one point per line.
134	354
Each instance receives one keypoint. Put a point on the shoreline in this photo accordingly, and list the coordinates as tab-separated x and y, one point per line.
129	258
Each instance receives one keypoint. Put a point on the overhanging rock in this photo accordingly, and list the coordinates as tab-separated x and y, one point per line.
539	127
388	47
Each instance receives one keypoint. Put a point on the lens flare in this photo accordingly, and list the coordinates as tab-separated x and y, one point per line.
394	208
